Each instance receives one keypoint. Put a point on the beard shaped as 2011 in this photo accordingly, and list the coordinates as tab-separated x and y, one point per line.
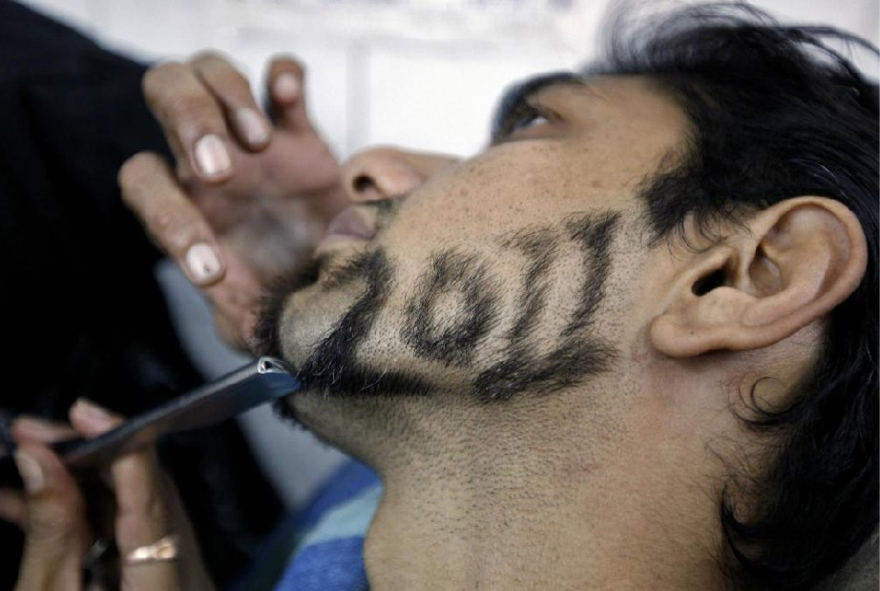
452	274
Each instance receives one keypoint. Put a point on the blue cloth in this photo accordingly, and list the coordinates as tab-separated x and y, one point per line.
330	556
335	565
321	547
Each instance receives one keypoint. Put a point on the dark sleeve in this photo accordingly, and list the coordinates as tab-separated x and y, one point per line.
83	313
80	297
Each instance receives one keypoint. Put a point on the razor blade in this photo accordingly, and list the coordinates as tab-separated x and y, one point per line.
259	382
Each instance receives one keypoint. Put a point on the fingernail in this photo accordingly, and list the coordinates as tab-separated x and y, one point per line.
211	155
92	409
286	86
252	126
30	471
202	262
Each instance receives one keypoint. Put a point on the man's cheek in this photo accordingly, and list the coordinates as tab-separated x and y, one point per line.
452	309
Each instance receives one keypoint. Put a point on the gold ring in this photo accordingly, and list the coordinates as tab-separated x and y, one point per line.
162	550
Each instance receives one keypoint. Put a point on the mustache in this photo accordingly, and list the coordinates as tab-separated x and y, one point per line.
266	336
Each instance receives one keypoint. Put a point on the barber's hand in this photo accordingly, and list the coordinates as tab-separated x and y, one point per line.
247	200
52	512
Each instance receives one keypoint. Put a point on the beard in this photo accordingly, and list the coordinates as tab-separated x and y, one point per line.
429	334
333	368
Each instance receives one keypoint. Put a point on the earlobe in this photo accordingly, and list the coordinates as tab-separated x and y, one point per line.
788	266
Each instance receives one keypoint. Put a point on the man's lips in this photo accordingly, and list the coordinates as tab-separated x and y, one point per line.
351	224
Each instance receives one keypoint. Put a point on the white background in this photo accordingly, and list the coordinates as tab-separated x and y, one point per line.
424	73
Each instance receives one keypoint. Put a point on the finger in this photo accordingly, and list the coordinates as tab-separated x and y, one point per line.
26	428
236	301
92	420
56	534
141	520
191	119
141	517
286	84
13	507
233	91
151	190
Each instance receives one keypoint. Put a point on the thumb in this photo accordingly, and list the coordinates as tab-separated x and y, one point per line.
56	534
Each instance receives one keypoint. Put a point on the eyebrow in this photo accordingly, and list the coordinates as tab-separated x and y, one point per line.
515	100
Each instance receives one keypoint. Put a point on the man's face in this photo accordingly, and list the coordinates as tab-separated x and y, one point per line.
497	276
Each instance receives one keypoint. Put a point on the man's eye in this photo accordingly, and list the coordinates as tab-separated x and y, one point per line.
519	120
524	119
528	121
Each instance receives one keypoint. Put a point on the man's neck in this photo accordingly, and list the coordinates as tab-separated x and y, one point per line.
543	521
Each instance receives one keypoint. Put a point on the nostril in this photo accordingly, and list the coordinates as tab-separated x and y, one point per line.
362	183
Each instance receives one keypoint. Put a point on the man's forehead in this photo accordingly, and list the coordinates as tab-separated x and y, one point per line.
610	87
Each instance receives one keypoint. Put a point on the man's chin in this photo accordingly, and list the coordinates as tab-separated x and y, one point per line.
355	381
284	408
358	425
319	417
322	331
339	394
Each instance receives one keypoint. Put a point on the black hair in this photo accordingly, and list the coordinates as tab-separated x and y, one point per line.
777	113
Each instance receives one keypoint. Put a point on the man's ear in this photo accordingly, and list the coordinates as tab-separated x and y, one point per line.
789	265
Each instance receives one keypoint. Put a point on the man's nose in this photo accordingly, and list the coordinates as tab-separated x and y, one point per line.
389	173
